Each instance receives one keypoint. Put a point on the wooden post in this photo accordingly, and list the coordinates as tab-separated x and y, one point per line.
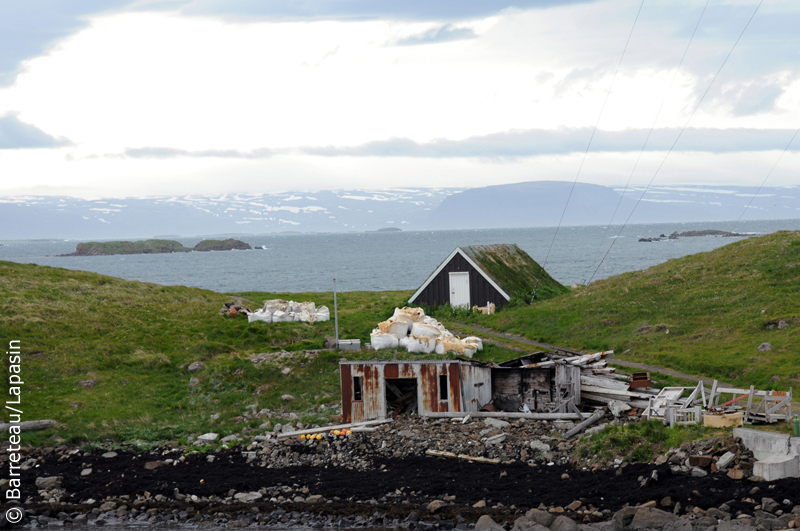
585	424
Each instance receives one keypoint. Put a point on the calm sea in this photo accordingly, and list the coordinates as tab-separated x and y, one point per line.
387	260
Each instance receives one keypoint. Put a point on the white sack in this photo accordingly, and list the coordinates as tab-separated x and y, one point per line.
379	340
260	315
425	330
282	317
414	344
474	342
323	314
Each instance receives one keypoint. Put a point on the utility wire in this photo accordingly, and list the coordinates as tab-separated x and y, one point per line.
765	179
589	145
647	139
677	138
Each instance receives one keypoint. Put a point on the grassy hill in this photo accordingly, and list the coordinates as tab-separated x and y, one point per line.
704	314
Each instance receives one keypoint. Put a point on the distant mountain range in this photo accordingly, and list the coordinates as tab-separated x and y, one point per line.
529	204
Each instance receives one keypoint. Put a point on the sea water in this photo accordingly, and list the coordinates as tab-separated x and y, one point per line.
378	261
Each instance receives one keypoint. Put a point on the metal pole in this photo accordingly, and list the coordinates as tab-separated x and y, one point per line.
335	313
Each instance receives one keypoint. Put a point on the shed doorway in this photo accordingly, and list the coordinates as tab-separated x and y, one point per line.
459	289
401	396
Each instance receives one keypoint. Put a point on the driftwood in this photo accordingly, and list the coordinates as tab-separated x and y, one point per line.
451	455
585	424
30	425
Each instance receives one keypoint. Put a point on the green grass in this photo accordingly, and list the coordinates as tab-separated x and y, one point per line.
704	314
137	339
638	442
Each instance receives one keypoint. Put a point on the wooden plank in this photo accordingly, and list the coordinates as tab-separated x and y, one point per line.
336	427
509	415
603	390
585	424
29	425
609	383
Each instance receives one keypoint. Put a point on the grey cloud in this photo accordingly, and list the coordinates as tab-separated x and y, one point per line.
515	144
19	135
29	27
365	9
441	34
544	142
756	98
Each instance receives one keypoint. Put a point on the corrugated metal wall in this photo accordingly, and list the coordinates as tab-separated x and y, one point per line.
480	291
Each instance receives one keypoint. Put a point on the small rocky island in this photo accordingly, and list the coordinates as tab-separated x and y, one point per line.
154	246
694	233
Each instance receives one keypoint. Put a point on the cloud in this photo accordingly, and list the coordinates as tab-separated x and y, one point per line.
756	98
28	28
445	33
535	142
365	9
170	153
19	135
513	144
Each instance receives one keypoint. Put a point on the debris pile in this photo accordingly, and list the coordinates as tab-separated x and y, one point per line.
281	311
414	331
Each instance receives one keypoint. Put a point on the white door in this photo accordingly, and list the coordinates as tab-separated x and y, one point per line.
459	289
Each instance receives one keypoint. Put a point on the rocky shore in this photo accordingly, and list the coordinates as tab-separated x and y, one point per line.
531	478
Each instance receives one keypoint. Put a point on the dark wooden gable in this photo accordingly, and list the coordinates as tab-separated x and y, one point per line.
437	292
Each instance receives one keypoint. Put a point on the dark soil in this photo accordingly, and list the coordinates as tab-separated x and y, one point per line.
428	478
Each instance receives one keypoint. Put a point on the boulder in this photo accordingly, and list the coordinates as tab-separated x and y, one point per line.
542	518
769	505
196	366
782	324
623	518
563	523
765	347
330	342
485	523
650	518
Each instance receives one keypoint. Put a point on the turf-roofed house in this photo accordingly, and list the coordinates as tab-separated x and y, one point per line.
479	274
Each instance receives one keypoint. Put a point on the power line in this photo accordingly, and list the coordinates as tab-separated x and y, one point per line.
765	179
589	145
647	139
678	137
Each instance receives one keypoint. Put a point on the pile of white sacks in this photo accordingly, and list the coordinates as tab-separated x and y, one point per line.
281	311
411	329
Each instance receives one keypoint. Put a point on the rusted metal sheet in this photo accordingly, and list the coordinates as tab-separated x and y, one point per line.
454	382
428	390
391	371
374	392
347	393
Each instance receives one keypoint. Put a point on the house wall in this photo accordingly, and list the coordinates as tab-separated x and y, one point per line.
373	403
480	290
542	389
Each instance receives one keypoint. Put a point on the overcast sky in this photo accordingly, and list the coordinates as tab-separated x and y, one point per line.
120	98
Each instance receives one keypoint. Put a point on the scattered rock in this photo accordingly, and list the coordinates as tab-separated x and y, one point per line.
87	383
540	446
479	505
650	518
86	471
196	366
110	455
49	483
496	423
207	438
152	465
287	398
194	382
563	523
765	347
435	505
782	324
247	497
330	342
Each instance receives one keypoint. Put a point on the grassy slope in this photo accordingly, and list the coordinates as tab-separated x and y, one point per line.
136	339
715	307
